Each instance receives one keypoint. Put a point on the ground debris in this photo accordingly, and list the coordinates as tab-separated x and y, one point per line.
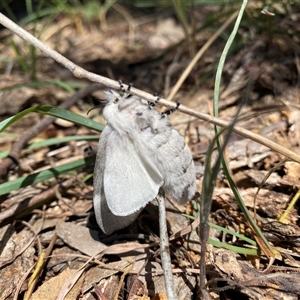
260	82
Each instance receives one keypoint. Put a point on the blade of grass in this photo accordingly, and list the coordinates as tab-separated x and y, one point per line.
42	13
219	143
5	7
22	182
67	85
55	112
289	208
208	185
238	235
19	56
55	141
233	248
253	244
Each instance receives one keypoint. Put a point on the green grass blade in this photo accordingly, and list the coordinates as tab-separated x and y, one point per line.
217	130
69	86
40	14
22	182
55	141
7	122
238	235
20	58
235	249
69	116
55	112
4	154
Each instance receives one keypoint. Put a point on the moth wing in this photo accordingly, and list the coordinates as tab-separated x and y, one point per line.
130	179
121	208
106	220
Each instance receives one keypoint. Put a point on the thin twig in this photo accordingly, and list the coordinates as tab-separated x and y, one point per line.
81	73
15	210
164	247
21	282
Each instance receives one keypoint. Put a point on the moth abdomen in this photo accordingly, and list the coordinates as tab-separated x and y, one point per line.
186	168
174	160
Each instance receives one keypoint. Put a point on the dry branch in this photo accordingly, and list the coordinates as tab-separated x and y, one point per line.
81	73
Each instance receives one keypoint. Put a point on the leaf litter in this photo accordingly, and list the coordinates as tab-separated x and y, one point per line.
263	74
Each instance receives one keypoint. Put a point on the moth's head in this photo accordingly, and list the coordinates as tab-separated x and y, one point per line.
116	102
113	97
124	112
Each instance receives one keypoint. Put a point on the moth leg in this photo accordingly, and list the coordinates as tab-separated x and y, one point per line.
122	87
170	111
152	104
129	87
88	151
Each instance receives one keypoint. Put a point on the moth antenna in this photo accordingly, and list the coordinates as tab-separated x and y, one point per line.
97	106
170	111
103	102
152	104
